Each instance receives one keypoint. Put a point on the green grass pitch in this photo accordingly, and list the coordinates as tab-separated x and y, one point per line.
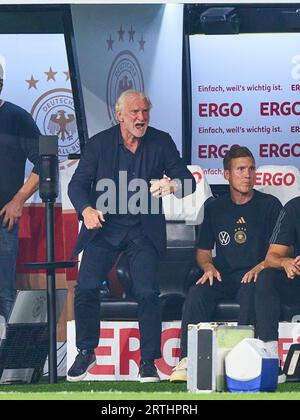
131	391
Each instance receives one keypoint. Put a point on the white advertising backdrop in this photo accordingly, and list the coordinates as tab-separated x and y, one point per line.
125	46
118	354
245	90
36	78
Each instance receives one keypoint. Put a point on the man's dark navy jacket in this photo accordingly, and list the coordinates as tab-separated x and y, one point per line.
100	160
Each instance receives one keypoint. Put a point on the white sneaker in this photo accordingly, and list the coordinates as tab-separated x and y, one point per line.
180	371
281	377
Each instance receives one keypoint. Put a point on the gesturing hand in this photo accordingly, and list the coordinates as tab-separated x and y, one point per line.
162	187
93	219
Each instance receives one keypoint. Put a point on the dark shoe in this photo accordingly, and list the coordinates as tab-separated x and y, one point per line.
83	362
148	372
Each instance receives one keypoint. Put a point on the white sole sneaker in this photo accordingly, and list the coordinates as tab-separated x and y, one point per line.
178	376
148	380
81	377
281	379
179	373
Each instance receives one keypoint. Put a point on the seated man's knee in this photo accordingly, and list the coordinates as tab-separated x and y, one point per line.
196	294
192	293
266	279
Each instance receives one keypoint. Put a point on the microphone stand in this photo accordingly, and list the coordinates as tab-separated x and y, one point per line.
51	291
49	192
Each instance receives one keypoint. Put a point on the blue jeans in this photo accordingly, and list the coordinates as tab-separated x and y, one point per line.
8	257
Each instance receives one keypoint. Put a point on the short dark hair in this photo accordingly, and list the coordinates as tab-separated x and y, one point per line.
236	152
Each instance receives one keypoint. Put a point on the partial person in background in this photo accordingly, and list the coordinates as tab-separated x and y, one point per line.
239	225
18	142
130	157
280	281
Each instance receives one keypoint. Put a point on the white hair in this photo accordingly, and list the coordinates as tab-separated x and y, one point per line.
129	92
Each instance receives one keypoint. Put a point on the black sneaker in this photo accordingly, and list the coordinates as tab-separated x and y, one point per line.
84	361
148	372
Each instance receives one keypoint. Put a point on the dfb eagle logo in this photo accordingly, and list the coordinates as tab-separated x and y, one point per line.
62	124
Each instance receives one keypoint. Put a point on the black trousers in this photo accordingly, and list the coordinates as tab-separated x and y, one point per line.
98	258
202	300
272	289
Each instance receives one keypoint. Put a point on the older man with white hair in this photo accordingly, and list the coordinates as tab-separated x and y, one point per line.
134	158
18	142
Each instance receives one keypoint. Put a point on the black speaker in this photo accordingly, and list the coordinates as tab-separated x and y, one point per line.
48	146
292	363
220	20
48	151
